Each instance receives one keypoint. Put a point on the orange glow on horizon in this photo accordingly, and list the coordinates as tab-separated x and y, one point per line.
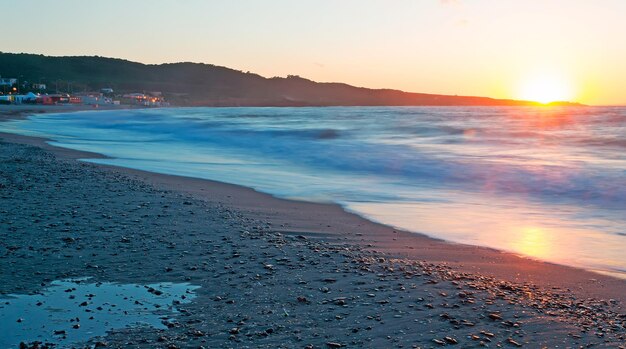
546	89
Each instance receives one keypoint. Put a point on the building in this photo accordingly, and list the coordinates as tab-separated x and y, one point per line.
29	98
8	82
145	100
94	98
53	99
6	99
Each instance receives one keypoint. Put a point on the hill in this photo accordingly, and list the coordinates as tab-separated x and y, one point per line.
196	84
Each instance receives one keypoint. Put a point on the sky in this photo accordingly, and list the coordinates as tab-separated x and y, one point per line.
531	49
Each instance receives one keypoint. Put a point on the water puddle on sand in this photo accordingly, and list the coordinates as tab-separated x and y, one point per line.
76	310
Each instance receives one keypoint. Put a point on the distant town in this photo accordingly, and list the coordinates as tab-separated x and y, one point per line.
13	91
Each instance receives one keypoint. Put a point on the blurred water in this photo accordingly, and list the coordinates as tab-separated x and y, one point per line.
544	182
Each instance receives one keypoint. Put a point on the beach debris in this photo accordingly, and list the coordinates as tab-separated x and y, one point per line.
495	316
155	291
432	295
339	301
451	340
197	333
303	299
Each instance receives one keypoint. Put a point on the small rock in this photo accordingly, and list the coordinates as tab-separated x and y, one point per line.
451	340
495	316
513	342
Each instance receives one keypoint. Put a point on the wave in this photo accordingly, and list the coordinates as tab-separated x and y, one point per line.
562	165
432	152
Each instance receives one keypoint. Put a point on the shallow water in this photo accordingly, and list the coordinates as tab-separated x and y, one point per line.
74	311
547	183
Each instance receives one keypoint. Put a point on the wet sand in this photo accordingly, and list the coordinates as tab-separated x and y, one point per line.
279	273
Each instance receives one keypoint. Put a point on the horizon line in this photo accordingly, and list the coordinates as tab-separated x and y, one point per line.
317	81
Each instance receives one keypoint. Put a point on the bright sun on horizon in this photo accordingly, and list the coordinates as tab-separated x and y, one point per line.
546	89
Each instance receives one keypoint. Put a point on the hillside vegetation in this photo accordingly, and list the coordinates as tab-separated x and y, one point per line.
195	84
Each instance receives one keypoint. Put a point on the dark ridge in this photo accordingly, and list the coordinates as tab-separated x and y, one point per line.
197	84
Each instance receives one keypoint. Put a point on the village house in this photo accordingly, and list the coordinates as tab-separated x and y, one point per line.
94	98
30	98
53	99
153	99
8	82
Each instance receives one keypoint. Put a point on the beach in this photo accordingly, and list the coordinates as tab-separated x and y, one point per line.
279	273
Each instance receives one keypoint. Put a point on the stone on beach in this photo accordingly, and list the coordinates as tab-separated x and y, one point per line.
274	289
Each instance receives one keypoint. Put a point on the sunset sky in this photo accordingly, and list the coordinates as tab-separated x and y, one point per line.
560	49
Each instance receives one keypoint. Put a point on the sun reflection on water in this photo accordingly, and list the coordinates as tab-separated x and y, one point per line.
519	227
534	242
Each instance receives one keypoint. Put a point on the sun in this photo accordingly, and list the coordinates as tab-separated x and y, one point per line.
545	89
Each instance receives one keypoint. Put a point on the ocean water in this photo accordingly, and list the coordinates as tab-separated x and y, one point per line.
547	183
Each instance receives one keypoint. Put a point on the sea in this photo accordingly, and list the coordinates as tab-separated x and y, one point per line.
547	183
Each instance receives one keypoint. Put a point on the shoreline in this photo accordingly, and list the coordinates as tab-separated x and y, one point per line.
383	238
330	223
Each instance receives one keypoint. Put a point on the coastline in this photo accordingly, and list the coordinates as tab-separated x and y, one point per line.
331	226
309	218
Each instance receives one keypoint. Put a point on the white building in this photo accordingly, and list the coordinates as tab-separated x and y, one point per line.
27	98
19	99
95	99
7	81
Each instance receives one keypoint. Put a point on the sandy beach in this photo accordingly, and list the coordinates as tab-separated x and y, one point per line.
276	273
